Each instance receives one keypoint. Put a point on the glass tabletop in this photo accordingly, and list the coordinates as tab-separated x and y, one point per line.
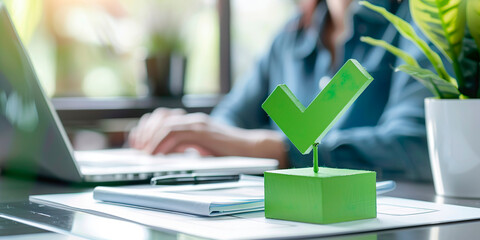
43	219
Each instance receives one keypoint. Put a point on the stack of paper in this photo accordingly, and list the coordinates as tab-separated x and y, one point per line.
206	200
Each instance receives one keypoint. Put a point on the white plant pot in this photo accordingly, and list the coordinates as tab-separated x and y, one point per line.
453	132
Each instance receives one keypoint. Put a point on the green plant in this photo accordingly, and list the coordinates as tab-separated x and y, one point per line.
164	43
453	27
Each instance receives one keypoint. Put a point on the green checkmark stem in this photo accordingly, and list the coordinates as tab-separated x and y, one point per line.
315	157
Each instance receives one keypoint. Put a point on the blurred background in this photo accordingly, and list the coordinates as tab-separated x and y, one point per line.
104	63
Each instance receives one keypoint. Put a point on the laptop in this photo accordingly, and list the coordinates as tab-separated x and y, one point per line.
33	140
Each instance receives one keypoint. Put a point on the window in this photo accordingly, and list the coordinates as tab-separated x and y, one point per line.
254	25
97	48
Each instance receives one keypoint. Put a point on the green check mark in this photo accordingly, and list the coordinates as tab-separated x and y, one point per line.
307	126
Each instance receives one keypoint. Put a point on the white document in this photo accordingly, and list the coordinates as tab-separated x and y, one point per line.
391	213
202	199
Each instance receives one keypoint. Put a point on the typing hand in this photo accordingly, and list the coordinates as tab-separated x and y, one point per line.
178	132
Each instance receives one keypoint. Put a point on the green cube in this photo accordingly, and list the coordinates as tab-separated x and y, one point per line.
329	196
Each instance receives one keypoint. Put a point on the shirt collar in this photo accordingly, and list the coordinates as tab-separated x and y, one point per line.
306	39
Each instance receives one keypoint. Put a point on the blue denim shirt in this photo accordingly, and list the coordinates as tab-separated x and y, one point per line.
384	130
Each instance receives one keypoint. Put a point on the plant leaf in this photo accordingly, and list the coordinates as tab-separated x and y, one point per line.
473	20
443	22
432	81
394	50
408	32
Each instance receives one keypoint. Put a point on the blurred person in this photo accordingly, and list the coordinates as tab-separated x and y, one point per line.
384	130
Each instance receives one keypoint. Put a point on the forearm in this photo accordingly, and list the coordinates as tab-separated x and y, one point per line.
262	144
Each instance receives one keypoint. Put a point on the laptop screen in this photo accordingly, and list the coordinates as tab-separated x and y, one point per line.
31	138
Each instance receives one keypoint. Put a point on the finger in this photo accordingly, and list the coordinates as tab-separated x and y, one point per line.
156	123
177	111
175	127
152	125
194	121
170	140
162	129
138	130
132	137
166	140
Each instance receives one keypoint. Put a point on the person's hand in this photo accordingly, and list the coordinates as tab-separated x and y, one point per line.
150	123
198	131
